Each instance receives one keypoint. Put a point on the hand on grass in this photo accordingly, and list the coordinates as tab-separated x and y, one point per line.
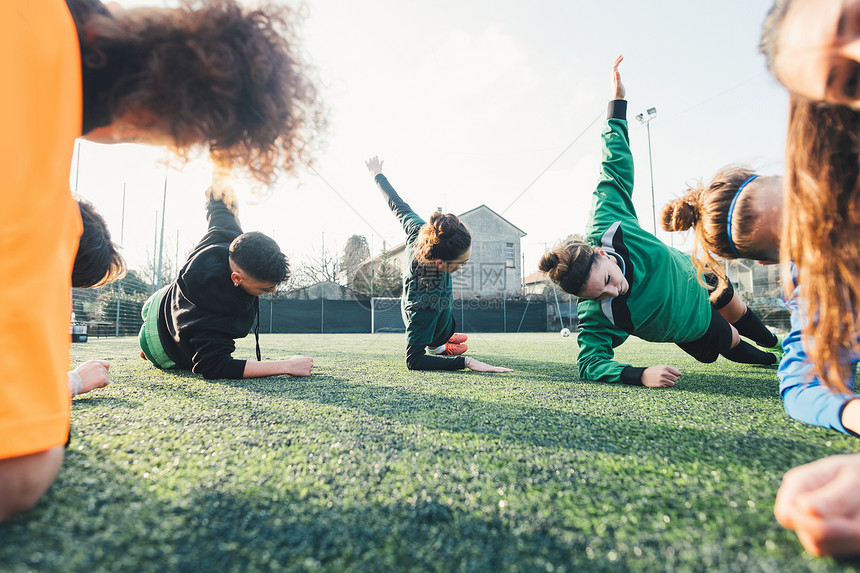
92	373
617	87
660	376
820	501
479	366
300	366
374	165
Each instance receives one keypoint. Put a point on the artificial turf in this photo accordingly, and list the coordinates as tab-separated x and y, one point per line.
366	466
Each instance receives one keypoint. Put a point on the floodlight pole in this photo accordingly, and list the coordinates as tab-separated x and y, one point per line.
641	118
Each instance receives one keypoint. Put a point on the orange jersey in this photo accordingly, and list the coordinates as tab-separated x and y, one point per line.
40	117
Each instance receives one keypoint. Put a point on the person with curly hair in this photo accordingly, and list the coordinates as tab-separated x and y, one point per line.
737	215
209	75
192	323
434	250
629	282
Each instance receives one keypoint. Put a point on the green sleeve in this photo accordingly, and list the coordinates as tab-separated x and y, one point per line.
613	198
411	222
596	343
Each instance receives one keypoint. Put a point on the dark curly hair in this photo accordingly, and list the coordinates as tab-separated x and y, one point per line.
211	73
259	256
97	261
443	237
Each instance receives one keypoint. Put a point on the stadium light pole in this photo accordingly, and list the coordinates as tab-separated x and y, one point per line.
646	121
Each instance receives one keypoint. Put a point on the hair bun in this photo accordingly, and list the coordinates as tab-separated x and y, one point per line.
444	223
681	214
548	262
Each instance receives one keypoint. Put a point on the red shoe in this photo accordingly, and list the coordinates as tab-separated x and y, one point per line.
142	355
458	338
454	349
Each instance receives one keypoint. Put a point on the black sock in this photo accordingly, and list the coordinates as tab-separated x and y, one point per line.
751	326
748	354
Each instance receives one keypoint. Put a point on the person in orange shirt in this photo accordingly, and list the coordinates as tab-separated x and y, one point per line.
217	76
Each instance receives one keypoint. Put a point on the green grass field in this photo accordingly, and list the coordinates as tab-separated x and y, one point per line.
366	466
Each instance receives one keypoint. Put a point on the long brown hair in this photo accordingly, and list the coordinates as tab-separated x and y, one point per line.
705	209
821	230
209	73
443	237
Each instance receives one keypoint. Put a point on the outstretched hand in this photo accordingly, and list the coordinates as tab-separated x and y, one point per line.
479	366
617	87
221	190
374	165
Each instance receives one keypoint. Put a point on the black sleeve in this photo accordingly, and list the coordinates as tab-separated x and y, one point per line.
617	109
418	359
222	225
212	356
632	375
397	205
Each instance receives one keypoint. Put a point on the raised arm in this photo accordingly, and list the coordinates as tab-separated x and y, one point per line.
613	197
618	90
404	213
222	223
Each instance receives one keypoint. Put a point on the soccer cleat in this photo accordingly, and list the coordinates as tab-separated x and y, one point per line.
142	355
458	338
454	349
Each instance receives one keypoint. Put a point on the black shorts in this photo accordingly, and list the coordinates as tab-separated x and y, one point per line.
713	281
717	340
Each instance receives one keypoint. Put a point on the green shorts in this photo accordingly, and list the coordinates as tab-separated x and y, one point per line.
148	338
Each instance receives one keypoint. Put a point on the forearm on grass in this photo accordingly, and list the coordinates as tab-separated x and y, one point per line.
254	369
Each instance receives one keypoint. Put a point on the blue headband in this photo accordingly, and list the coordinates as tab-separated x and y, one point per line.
732	212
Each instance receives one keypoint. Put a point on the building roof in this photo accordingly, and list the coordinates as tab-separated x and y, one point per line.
534	278
397	248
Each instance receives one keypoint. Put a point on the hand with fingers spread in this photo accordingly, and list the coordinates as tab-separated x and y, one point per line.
374	165
618	90
660	376
478	366
820	501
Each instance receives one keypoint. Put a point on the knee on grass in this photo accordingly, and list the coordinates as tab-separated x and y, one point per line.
25	479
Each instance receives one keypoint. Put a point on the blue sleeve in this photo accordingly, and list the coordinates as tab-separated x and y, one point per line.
806	398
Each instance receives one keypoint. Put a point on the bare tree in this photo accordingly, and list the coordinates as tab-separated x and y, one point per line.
148	272
355	252
387	279
315	269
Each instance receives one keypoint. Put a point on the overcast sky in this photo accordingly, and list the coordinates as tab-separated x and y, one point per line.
468	102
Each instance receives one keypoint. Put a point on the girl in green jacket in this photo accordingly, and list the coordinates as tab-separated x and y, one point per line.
629	282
